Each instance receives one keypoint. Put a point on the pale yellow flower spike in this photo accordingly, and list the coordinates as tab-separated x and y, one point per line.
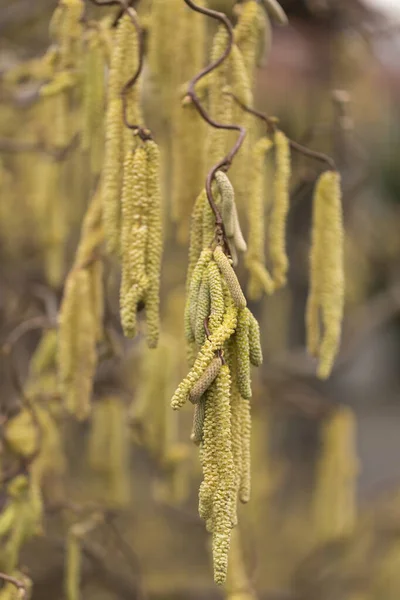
73	564
230	277
215	342
202	385
191	303
93	98
238	585
243	354
280	209
255	349
259	280
245	479
196	234
248	33
66	355
217	307
334	503
113	151
236	429
154	244
198	423
208	457
224	496
66	28
332	270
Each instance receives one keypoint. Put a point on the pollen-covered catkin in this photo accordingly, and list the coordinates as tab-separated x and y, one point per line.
154	244
230	216
243	354
334	503
280	208
73	564
208	456
259	280
217	301
245	475
198	423
114	135
326	294
255	349
202	309
230	277
248	32
191	303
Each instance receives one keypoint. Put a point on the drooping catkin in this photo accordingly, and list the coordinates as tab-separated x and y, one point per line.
198	423
93	98
255	349
196	234
202	309
230	217
66	29
238	585
205	381
217	301
259	280
114	135
326	296
154	244
73	565
243	354
334	503
230	277
225	492
279	211
245	475
248	33
191	303
208	456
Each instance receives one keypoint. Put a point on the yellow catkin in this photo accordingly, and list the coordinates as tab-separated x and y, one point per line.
188	128
243	354
154	244
66	29
229	215
205	356
230	278
248	33
196	234
225	492
73	564
198	423
245	480
97	295
133	237
238	586
260	280
327	272
66	355
202	385
255	349
220	104
334	503
202	309
195	284
217	301
93	98
236	426
279	212
114	136
45	353
79	387
208	456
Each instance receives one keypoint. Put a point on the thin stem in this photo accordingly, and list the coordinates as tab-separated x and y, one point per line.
20	585
191	93
272	127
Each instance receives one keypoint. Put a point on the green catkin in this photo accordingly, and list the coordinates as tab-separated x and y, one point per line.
225	492
229	215
73	565
327	273
66	29
243	354
279	212
198	423
202	309
154	244
259	280
205	381
196	234
230	278
255	349
114	137
217	302
93	98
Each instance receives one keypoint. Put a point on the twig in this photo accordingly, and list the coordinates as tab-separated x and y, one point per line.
272	127
191	93
20	585
126	8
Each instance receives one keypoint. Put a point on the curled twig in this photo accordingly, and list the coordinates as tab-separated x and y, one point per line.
191	93
272	127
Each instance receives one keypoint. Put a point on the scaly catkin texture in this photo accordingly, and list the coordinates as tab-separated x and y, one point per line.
243	354
208	456
202	309
113	152
334	504
245	479
255	349
154	244
217	301
259	280
230	277
205	381
280	208
326	294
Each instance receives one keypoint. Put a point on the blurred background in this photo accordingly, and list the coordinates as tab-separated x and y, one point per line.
333	80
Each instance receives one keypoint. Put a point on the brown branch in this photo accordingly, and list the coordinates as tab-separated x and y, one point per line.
272	128
20	585
191	93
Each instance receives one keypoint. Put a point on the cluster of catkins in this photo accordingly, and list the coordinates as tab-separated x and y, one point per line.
223	340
